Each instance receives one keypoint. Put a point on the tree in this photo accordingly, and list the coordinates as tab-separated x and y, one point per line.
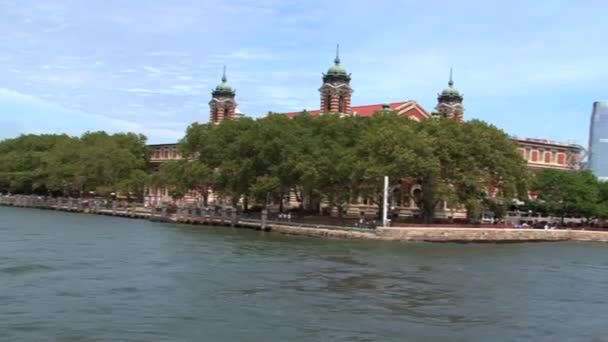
568	193
56	164
471	163
183	177
389	146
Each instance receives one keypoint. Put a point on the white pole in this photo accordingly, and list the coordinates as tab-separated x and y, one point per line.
385	203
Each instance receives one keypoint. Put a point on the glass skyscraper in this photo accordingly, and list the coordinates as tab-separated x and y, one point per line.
598	140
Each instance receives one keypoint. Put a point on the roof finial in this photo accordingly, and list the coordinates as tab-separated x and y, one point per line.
224	79
337	60
451	82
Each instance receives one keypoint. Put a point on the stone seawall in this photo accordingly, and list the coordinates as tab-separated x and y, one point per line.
487	235
324	233
419	234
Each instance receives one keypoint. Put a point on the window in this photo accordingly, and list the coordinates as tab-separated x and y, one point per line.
534	156
561	158
156	154
547	157
214	114
166	154
174	154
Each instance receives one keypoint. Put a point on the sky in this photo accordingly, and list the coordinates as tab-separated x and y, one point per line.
532	68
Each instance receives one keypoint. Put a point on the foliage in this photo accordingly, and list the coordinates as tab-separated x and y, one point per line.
569	193
94	162
330	159
339	160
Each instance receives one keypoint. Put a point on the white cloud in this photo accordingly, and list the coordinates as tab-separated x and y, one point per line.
159	61
29	114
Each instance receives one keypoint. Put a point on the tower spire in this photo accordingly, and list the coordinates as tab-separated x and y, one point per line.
337	60
336	90
222	105
449	102
451	82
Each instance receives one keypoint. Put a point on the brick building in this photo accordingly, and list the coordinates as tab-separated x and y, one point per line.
335	98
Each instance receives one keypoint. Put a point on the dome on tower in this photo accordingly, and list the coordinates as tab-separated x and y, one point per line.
451	89
224	86
337	69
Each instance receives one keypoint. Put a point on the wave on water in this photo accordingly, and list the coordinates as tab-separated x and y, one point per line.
22	269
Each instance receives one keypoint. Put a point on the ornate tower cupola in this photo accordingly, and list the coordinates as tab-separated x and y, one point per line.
449	103
222	104
336	90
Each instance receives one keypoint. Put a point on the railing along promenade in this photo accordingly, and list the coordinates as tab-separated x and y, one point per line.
186	213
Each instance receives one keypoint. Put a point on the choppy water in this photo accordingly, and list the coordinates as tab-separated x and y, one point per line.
73	277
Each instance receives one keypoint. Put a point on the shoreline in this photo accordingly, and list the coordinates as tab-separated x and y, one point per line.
396	234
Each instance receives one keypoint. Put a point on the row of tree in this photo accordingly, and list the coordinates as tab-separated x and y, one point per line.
568	194
318	159
338	160
60	164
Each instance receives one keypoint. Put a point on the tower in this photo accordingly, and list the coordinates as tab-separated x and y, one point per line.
336	90
222	104
598	140
449	103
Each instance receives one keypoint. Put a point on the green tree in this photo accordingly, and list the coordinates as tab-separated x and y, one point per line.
389	146
568	193
183	177
43	164
471	163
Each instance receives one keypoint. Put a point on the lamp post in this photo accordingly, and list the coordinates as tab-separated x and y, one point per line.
385	221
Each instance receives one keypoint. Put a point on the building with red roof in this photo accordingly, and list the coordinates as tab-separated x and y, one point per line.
335	99
410	109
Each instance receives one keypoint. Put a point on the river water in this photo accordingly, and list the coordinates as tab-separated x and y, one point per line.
76	277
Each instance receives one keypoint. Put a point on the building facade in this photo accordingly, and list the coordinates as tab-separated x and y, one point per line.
335	98
598	140
547	154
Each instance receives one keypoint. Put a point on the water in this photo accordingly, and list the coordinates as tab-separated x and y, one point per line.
75	277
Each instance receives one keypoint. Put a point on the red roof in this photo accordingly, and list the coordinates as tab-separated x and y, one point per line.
411	109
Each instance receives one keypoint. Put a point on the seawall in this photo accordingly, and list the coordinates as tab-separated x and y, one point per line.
405	234
494	235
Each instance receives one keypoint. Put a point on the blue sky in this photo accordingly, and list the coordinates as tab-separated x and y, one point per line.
532	68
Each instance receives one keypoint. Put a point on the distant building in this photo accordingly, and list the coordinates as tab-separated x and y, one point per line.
449	103
598	140
335	98
223	105
549	154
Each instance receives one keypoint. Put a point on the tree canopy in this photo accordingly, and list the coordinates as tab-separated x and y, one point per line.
96	161
339	160
563	194
330	159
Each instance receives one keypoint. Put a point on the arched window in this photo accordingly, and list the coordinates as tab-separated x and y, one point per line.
341	105
328	103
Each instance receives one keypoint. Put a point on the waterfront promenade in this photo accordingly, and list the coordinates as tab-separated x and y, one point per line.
230	218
